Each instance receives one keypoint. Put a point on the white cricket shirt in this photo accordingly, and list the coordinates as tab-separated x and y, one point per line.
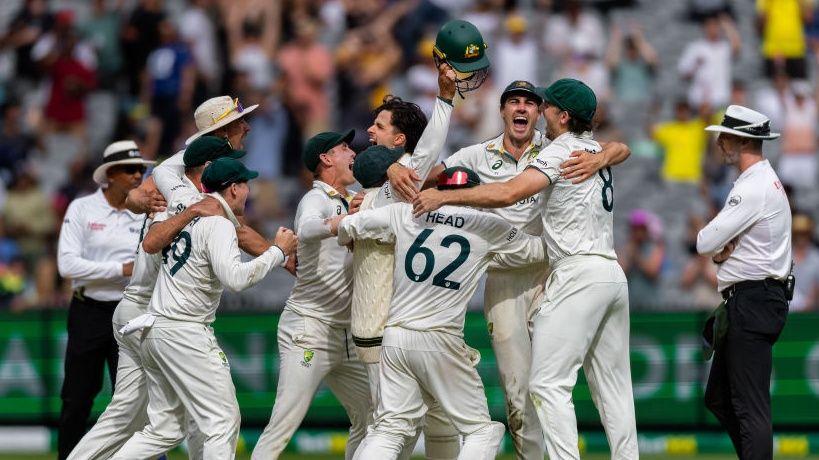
168	175
577	218
95	240
493	164
203	259
439	258
758	215
324	277
426	153
146	269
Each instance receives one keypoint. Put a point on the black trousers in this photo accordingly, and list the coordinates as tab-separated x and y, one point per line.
738	390
91	344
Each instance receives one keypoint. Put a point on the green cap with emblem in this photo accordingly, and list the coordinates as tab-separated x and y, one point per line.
224	171
521	87
208	148
321	143
460	44
370	166
573	96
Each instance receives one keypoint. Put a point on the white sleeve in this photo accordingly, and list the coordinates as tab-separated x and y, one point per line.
429	146
460	158
311	219
168	175
226	259
373	224
740	212
70	262
688	60
514	247
548	162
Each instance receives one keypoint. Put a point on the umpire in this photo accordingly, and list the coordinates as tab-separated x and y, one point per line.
97	246
750	240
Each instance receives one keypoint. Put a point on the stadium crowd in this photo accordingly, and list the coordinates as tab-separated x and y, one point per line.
76	75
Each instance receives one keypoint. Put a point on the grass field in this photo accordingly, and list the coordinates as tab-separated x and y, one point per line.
182	456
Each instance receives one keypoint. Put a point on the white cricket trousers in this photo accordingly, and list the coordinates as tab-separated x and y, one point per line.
311	352
511	299
187	372
584	321
416	369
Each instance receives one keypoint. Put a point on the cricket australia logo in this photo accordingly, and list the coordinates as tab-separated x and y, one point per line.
224	359
472	50
308	356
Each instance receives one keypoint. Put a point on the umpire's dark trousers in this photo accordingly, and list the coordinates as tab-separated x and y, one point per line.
738	390
90	344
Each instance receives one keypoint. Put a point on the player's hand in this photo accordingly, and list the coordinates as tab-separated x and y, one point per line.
128	268
725	253
292	264
206	207
446	81
141	201
581	165
355	203
333	223
427	201
403	181
287	241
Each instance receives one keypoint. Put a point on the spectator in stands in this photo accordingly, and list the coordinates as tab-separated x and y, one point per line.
805	265
71	66
102	31
29	218
699	10
12	272
771	98
307	68
198	32
642	259
699	275
707	62
515	55
422	78
169	81
797	165
140	36
684	141
632	62
28	25
15	145
575	29
584	63
251	53
780	22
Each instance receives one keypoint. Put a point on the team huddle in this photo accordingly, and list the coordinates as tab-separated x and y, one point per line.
383	279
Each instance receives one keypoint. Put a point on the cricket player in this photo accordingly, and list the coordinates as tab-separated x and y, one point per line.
583	319
315	343
512	295
187	371
398	126
439	258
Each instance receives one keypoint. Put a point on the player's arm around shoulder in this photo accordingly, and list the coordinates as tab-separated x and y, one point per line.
582	164
512	247
313	216
377	224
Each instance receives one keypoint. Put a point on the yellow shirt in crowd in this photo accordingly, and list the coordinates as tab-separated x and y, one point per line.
783	35
684	145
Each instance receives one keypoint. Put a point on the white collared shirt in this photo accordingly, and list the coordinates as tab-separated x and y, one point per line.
95	241
577	218
493	164
324	277
758	216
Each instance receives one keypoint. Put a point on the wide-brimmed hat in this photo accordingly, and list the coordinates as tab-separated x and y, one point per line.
119	153
217	112
744	122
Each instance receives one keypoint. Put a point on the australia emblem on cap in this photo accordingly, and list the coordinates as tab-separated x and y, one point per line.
472	50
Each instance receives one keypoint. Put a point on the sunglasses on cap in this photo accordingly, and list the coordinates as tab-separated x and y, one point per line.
237	106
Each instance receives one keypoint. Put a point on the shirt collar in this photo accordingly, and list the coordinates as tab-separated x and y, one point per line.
100	196
496	146
748	172
330	191
228	212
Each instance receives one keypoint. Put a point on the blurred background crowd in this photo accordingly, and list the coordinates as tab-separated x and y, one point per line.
76	75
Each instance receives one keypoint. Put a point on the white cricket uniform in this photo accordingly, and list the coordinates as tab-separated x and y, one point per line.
512	295
187	371
314	337
439	258
373	262
584	319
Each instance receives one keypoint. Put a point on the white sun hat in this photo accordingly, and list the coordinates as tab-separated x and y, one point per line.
217	112
119	153
744	122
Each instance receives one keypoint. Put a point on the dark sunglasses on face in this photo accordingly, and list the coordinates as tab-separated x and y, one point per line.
133	169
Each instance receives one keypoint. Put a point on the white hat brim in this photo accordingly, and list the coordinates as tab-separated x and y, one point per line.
723	129
224	121
99	173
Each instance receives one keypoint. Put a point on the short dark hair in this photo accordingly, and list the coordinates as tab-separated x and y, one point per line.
407	118
579	126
